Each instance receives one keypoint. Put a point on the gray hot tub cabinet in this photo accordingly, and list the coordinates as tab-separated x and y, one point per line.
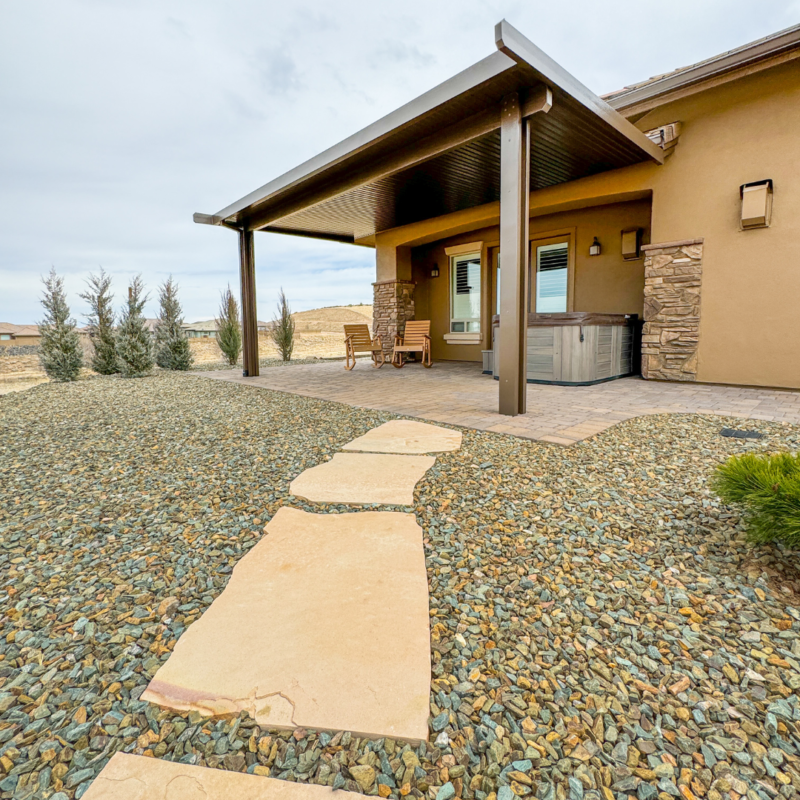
578	348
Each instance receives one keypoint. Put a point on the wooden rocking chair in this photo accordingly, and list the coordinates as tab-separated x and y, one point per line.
357	339
416	339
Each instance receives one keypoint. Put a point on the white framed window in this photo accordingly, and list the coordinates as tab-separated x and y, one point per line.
552	268
465	293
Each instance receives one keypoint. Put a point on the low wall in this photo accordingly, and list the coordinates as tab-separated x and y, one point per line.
20	368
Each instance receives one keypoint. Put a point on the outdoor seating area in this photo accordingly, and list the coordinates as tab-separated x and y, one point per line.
416	338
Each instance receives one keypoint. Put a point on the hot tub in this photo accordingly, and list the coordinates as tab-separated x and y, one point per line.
578	348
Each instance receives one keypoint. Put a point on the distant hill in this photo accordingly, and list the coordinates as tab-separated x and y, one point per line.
332	319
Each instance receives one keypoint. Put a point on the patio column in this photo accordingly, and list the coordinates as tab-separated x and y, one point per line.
393	292
247	274
514	215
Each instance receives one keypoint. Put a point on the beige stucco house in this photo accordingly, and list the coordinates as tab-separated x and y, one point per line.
19	335
555	235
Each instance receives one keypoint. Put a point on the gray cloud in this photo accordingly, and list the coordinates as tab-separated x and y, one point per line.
277	70
396	51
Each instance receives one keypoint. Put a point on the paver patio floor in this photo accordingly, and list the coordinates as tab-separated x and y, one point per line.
459	394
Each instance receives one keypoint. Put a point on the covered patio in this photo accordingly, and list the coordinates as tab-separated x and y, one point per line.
459	394
465	156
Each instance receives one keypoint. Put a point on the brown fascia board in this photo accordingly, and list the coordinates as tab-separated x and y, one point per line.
657	92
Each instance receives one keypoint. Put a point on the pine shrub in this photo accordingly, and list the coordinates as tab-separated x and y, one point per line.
282	331
768	489
60	349
172	344
134	342
101	323
229	329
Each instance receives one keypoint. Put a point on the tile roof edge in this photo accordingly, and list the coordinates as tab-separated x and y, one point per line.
729	60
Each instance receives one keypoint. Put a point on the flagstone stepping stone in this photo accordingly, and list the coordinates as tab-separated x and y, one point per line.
323	625
407	436
361	478
128	777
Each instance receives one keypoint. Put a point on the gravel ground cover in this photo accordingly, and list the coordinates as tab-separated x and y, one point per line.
600	629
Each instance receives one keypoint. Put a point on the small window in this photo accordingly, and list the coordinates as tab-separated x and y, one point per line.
5	336
465	293
552	266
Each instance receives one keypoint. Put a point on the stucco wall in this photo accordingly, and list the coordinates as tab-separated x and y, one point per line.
604	283
736	133
750	300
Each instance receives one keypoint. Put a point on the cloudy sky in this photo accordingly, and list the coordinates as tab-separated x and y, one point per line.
120	118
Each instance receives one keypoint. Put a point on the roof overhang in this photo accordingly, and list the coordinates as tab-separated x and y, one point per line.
440	153
764	53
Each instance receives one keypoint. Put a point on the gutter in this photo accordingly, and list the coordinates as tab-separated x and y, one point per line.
775	44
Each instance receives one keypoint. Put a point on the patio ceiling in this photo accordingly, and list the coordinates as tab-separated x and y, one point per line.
441	152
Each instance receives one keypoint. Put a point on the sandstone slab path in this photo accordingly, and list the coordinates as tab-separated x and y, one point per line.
362	478
407	436
128	777
324	624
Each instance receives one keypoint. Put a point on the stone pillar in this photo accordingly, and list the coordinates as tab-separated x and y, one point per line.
672	279
393	305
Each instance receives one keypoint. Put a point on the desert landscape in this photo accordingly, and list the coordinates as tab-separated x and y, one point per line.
319	333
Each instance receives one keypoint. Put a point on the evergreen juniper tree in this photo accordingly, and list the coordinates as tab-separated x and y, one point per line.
60	350
101	323
172	344
229	329
134	342
282	331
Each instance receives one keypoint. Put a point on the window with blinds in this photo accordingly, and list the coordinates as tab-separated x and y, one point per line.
465	293
552	265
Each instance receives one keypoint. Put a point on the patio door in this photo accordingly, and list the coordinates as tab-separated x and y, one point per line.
549	276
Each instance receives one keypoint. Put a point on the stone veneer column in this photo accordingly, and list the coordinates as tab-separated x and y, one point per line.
393	305
672	278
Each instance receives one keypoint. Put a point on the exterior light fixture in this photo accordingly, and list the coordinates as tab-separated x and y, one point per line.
435	271
756	204
594	248
631	242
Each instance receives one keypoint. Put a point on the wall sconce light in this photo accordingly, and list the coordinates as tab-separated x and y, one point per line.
631	242
435	271
756	204
594	248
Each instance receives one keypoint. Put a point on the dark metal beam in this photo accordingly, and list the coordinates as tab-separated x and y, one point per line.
330	237
514	218
419	152
247	274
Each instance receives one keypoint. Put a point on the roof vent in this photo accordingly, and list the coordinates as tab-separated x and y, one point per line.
666	136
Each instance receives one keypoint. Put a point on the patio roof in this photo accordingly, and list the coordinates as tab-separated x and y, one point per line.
441	152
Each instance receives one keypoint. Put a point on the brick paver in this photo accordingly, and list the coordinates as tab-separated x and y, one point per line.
459	394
